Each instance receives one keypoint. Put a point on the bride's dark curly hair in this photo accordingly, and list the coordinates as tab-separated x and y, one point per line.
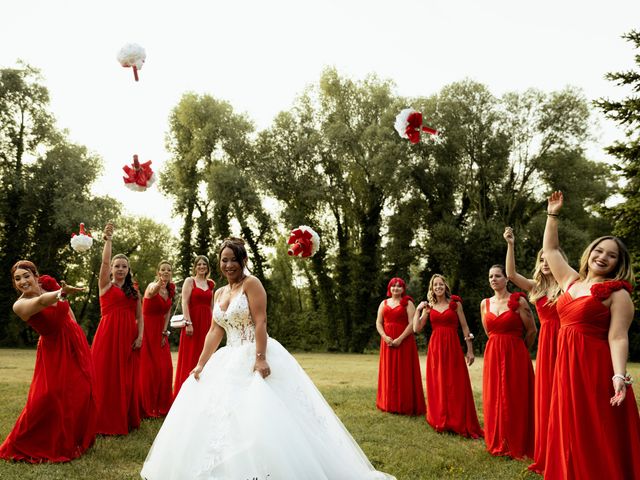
237	246
128	287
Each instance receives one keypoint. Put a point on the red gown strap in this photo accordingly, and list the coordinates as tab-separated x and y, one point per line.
453	302
603	290
571	284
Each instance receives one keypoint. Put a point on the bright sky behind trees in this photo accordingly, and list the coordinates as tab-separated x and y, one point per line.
259	55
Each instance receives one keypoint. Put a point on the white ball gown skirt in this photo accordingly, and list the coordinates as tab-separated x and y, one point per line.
234	425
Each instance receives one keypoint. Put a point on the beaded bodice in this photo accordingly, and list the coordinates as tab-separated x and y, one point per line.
236	321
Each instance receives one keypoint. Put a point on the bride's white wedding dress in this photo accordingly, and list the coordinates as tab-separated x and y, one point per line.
234	425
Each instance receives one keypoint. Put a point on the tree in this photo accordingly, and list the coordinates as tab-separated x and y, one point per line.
626	113
25	124
144	241
44	191
201	129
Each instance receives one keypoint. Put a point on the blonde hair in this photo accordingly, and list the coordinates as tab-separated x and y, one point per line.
205	259
545	284
431	296
623	269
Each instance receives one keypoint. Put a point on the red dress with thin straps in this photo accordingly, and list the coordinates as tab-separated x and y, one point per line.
117	364
545	366
507	384
58	422
156	369
399	380
200	312
450	405
588	438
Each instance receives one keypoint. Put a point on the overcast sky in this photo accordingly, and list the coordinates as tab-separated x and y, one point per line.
260	54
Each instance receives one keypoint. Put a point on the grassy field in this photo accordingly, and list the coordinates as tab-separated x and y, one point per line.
405	447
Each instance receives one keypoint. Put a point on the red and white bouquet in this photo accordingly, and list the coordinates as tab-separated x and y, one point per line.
82	241
304	241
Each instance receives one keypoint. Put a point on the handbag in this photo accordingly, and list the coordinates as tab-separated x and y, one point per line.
177	320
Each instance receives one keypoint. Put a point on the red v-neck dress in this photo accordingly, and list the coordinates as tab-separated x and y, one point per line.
399	379
545	366
450	405
588	438
117	364
156	369
58	422
200	312
507	385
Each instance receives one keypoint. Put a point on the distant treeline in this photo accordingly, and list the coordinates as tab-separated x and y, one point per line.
382	206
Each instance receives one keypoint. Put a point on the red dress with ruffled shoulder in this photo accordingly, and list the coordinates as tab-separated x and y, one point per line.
399	380
58	422
450	405
156	369
190	347
588	438
117	364
545	366
507	385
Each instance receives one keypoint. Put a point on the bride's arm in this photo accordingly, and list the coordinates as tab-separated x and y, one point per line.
211	344
257	298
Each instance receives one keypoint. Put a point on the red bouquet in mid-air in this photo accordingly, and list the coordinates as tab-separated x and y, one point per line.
304	241
139	175
409	125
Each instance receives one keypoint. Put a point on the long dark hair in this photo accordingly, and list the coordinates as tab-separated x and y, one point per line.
128	287
239	250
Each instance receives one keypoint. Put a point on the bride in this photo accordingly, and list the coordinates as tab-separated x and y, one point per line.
249	411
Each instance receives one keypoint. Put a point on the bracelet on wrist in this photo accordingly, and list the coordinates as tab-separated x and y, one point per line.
552	215
61	296
626	378
469	337
166	333
188	322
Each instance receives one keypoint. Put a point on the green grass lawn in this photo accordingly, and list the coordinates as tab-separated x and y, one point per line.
403	446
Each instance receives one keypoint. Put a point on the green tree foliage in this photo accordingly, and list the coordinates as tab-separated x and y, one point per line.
626	112
332	162
43	189
499	159
45	195
144	241
382	206
202	130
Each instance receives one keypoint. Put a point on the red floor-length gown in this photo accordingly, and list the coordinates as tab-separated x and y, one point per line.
545	366
191	346
588	438
156	369
450	405
399	380
117	364
58	422
507	385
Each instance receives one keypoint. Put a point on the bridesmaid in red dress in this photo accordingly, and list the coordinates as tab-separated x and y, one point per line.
507	375
450	405
399	381
594	426
156	369
58	422
116	345
543	293
197	307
